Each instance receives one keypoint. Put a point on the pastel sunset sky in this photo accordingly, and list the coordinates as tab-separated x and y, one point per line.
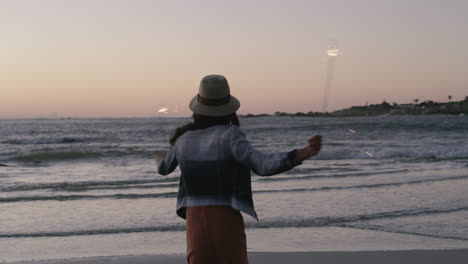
112	58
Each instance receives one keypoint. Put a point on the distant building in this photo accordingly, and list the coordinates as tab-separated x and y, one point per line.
408	106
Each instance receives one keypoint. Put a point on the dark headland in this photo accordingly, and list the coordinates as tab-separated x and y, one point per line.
385	108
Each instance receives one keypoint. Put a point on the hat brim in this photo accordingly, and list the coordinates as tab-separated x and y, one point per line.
221	110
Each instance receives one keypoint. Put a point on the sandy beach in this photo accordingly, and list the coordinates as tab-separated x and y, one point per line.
319	245
362	257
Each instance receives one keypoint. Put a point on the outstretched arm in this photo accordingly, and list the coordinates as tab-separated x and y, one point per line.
167	162
271	163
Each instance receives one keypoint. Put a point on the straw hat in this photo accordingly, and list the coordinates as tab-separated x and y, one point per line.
214	97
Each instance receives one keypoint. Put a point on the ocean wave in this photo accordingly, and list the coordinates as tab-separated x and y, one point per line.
174	194
402	232
85	197
37	141
44	156
425	153
344	175
97	231
331	220
369	125
85	184
414	155
364	186
399	153
305	170
72	155
273	223
171	184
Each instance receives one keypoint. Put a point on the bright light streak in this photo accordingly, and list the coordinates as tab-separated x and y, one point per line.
333	52
163	110
352	131
369	154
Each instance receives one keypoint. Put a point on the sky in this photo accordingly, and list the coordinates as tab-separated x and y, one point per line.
112	58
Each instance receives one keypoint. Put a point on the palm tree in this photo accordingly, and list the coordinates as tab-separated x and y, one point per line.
450	97
416	101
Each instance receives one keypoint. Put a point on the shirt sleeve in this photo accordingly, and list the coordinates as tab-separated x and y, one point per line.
263	164
169	163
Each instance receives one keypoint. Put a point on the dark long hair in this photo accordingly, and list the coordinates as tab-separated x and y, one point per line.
202	122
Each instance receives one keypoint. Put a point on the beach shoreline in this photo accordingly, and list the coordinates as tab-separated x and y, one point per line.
90	194
453	256
266	245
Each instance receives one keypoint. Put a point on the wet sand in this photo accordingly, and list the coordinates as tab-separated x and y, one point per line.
453	256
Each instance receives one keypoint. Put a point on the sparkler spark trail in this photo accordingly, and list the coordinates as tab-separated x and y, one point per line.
332	53
365	152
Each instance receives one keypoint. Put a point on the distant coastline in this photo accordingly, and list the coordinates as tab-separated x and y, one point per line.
385	108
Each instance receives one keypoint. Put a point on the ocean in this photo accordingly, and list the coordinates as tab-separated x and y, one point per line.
85	187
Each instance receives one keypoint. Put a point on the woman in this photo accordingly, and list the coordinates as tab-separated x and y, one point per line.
215	160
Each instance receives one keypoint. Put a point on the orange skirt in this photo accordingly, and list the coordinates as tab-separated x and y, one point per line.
215	234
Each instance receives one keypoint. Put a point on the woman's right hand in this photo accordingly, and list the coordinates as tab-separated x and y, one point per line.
312	149
160	156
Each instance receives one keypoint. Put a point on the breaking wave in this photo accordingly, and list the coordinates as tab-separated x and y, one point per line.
53	140
174	194
86	184
59	156
81	197
273	223
44	156
427	152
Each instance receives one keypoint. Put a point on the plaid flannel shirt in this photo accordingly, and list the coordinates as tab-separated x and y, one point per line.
215	166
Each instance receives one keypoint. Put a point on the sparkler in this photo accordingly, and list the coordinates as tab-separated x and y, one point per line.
163	110
333	52
365	152
175	109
